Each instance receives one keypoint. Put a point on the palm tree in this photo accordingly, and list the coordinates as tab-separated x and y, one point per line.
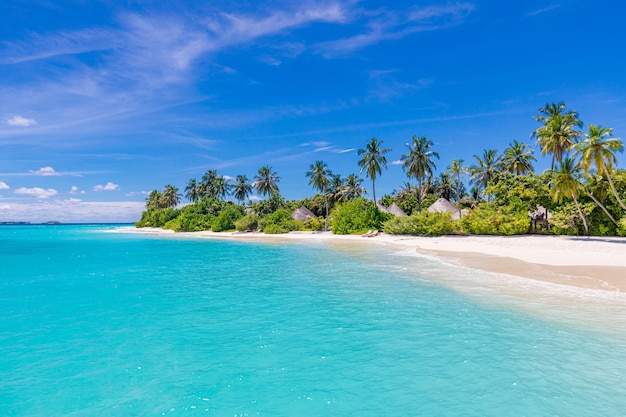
443	186
457	171
242	188
352	188
266	181
319	178
596	190
170	196
598	148
335	189
418	163
373	160
486	168
220	187
154	199
518	158
192	190
558	133
566	183
207	186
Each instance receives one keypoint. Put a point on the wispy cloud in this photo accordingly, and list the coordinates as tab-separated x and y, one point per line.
109	186
37	192
542	10
75	190
386	86
390	25
73	210
21	121
46	172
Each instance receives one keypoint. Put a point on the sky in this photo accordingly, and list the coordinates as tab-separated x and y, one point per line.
103	101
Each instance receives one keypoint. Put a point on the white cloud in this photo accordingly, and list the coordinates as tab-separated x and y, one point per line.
74	190
21	121
4	186
397	162
37	192
109	186
45	172
5	207
254	198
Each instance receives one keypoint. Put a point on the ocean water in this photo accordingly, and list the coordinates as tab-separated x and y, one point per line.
95	322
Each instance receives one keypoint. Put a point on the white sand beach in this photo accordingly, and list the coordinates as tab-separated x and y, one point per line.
587	262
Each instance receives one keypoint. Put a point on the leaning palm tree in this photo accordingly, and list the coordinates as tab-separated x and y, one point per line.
319	177
419	164
457	171
170	196
352	188
485	168
598	149
192	190
373	160
566	183
266	181
596	190
518	158
242	188
559	131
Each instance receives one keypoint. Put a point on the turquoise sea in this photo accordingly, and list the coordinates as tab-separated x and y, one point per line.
95	321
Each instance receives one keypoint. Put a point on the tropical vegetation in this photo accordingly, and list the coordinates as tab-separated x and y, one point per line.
583	192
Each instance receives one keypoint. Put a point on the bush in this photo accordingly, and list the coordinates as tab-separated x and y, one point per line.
423	224
225	220
279	221
247	223
157	217
357	216
490	219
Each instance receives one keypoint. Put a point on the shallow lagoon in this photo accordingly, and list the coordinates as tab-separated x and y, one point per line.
122	324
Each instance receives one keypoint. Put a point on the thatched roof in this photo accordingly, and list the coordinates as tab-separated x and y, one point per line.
382	208
395	210
539	214
444	206
303	214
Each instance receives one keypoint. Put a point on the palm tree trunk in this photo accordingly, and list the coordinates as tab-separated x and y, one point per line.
619	200
326	218
595	200
419	195
582	216
374	190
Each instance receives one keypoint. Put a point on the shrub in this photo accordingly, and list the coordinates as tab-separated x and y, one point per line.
357	216
157	217
489	219
423	224
247	223
225	220
279	221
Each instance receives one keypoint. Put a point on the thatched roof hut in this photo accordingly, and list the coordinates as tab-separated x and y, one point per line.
382	208
303	214
396	210
444	206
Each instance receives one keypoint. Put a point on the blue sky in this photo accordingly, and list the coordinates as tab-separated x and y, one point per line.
103	101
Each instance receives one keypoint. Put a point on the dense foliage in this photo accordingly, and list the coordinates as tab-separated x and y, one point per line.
422	224
357	216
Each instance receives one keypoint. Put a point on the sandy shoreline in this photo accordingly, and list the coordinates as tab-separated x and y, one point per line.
595	262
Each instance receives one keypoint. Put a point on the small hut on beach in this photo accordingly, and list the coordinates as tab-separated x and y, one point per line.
303	214
392	209
444	206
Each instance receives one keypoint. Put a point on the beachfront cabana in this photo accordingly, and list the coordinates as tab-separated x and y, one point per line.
444	206
396	210
303	214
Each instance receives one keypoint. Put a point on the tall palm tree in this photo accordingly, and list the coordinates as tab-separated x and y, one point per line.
336	189
207	185
485	168
443	186
559	131
598	149
192	190
266	181
457	171
320	178
566	183
242	188
596	190
518	158
154	199
220	187
373	160
418	163
170	196
352	188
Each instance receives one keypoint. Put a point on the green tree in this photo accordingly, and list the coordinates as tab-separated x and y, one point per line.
352	188
419	163
443	186
559	131
485	168
208	184
242	188
598	149
169	197
220	187
192	190
566	183
457	171
518	158
373	160
266	181
319	177
154	200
